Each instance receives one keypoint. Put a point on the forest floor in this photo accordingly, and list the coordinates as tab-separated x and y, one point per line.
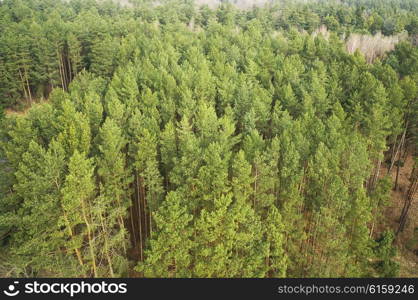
23	107
406	241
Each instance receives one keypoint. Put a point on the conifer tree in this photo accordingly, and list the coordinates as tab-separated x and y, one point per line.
276	258
170	246
42	225
225	243
385	252
78	197
203	142
114	196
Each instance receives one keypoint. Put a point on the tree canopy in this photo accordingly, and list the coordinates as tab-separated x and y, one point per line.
182	141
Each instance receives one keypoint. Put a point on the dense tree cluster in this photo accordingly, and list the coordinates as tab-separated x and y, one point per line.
45	43
187	142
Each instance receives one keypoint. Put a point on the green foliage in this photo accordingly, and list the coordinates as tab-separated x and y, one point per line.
385	266
221	233
179	141
78	194
169	253
404	59
114	195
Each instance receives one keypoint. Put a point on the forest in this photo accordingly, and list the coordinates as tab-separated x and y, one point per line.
175	139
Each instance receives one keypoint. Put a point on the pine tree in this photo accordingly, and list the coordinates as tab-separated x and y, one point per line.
189	159
360	244
169	252
42	226
148	181
241	177
276	258
78	196
74	54
212	177
201	143
102	56
385	252
226	243
114	196
169	150
75	132
289	101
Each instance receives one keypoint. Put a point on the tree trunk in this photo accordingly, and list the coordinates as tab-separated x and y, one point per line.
70	231
106	246
373	178
399	162
139	219
408	201
122	225
144	204
24	86
91	241
397	151
70	73
397	175
392	156
27	84
132	218
60	69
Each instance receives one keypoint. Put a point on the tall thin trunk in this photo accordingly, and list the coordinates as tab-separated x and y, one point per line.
132	218
397	175
24	86
60	69
121	224
139	219
70	73
405	153
106	246
90	239
392	156
377	172
27	84
71	233
408	201
64	71
397	151
313	240
399	163
372	229
144	205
